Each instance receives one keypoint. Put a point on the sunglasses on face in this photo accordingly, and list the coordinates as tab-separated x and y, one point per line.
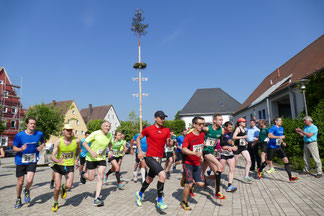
201	124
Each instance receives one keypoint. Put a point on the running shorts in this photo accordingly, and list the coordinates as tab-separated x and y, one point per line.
154	164
22	170
193	173
94	164
271	151
63	170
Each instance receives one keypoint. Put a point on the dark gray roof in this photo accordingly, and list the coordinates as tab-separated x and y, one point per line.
210	101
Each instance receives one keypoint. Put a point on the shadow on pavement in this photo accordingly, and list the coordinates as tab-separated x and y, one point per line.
41	198
6	174
7	186
76	199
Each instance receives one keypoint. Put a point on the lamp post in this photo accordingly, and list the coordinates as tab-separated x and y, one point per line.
303	88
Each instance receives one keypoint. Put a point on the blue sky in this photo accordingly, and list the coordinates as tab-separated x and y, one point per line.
84	50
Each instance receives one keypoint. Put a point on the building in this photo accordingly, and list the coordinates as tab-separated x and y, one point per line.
11	108
106	112
278	94
208	102
72	117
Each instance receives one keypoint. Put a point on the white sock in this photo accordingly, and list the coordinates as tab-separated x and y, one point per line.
143	174
135	174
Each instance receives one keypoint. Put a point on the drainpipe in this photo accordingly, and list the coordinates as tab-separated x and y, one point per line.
268	110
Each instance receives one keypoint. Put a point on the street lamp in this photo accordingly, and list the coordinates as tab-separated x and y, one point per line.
303	88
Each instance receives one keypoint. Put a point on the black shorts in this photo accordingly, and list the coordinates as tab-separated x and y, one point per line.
193	173
271	151
154	165
264	147
137	160
169	155
94	164
22	170
82	161
115	158
205	153
63	170
240	149
178	156
226	157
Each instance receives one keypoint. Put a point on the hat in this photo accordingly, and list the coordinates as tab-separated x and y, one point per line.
160	114
67	127
241	120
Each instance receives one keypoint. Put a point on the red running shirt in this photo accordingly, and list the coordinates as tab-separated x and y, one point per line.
156	138
193	143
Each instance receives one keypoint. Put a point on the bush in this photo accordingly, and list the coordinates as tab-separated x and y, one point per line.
177	125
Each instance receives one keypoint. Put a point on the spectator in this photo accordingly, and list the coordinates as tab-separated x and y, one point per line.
253	147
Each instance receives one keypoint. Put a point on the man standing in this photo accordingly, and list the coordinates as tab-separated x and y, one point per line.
65	154
27	144
310	146
156	137
253	148
96	158
192	147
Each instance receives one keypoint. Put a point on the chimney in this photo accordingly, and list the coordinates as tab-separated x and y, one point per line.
278	73
53	102
89	111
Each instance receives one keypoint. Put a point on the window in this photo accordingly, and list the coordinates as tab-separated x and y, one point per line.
77	122
264	114
113	117
69	122
108	116
1	81
73	112
82	132
4	109
76	132
13	110
260	116
5	94
13	124
251	116
4	141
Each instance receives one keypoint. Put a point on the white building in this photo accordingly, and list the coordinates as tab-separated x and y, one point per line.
208	102
278	94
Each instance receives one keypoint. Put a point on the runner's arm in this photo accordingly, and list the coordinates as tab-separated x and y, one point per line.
131	146
78	141
55	149
138	143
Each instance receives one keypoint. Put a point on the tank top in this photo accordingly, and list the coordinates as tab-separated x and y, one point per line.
240	142
211	138
67	151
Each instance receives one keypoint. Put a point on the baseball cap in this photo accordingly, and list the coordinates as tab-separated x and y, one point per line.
241	120
67	127
160	114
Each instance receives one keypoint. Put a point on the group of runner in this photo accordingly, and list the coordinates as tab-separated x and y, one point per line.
201	147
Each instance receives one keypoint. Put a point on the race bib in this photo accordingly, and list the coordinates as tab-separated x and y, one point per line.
144	154
157	159
115	152
169	149
242	142
212	142
227	153
278	142
197	148
67	155
28	158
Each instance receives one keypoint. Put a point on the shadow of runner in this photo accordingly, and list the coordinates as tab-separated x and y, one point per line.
178	195
76	199
6	174
41	199
7	186
106	192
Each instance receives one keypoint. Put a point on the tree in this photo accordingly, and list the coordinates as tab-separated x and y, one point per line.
94	125
3	126
140	30
315	90
177	115
177	125
49	120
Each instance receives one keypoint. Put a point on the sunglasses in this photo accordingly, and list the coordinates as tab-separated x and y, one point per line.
201	124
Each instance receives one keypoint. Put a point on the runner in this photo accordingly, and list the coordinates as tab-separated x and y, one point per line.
213	134
115	155
123	152
65	154
192	149
137	160
156	136
227	156
142	163
169	153
264	144
27	144
179	148
240	141
276	136
83	153
96	158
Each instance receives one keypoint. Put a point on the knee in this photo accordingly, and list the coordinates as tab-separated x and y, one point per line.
57	187
200	184
190	185
29	181
20	182
91	178
162	176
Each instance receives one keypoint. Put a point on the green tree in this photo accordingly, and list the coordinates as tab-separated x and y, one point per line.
49	120
177	115
94	125
177	125
315	90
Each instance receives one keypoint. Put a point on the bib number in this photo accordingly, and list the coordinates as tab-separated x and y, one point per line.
242	142
211	142
169	149
115	152
29	158
197	148
67	155
278	142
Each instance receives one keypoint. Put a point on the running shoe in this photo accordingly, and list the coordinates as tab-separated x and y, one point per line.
247	179
191	192
220	196
272	170
161	205
183	180
174	168
231	189
260	174
185	205
106	177
168	175
18	203
52	184
27	195
120	185
135	179
82	179
138	199
293	178
63	192
98	202
55	207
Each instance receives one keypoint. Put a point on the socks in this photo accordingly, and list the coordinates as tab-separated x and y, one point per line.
229	184
135	173
117	176
143	171
160	187
264	164
218	178
288	169
109	172
144	187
